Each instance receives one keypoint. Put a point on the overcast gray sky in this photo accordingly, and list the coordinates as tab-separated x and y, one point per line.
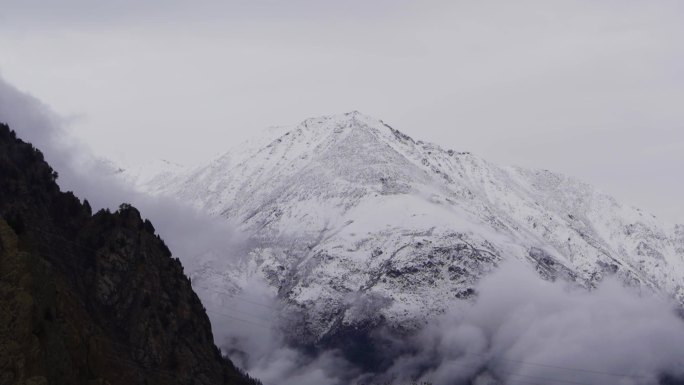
594	89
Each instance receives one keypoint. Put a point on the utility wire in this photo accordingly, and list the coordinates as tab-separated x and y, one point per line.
213	311
560	367
238	319
235	296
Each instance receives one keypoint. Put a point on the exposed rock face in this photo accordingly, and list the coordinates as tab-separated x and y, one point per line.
92	299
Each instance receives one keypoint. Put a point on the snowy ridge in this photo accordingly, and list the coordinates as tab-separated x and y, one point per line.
151	173
359	224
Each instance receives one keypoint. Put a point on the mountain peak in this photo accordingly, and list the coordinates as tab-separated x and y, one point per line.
345	203
337	123
350	117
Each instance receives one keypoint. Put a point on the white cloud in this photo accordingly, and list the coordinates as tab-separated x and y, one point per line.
519	330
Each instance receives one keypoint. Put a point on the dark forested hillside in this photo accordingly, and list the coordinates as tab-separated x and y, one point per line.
92	298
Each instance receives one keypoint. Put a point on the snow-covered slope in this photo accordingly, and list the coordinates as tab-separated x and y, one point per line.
358	224
151	173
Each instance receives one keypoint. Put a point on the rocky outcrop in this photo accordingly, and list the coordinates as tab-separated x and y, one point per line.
92	299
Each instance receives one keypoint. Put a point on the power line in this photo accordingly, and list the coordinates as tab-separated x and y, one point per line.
251	322
561	367
274	312
238	318
232	295
545	380
78	268
221	306
236	296
139	349
204	287
160	371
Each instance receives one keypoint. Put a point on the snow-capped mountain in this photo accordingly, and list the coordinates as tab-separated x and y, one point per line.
358	224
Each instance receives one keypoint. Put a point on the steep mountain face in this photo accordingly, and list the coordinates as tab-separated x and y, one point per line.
359	225
92	299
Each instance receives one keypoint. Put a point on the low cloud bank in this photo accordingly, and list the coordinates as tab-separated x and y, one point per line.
253	329
525	330
188	232
519	330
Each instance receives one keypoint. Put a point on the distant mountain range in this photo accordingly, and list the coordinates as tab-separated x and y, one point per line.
357	225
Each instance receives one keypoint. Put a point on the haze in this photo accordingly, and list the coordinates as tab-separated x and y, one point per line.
591	89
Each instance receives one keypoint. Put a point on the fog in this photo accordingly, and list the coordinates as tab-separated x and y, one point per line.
188	232
519	329
523	330
583	87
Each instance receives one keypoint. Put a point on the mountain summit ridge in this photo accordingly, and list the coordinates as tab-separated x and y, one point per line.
346	205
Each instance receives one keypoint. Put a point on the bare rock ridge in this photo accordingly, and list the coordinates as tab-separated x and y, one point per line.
92	298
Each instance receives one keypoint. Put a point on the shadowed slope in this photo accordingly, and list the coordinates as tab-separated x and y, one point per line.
92	299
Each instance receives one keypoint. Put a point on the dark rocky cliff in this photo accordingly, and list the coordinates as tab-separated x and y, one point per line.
92	299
